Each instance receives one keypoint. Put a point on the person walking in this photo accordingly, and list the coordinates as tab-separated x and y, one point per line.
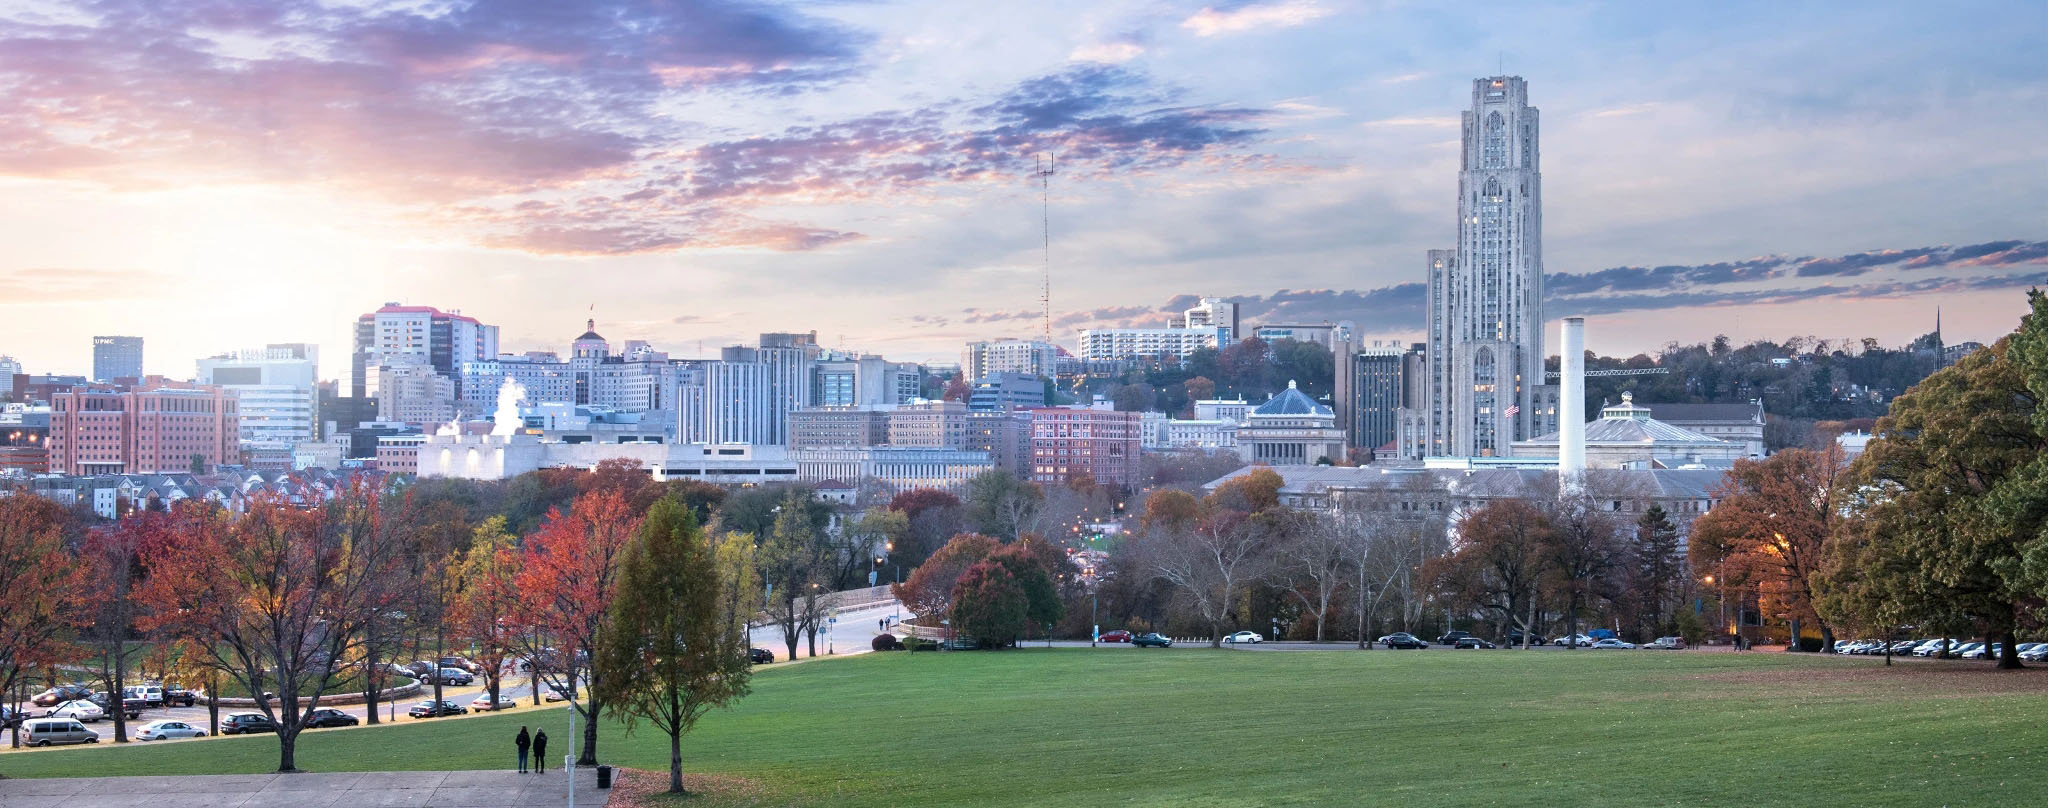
522	741
540	752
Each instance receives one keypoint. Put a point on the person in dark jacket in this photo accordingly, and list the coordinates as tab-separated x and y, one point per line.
540	752
522	741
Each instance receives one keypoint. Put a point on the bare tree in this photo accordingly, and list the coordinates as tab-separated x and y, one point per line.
1315	560
1210	560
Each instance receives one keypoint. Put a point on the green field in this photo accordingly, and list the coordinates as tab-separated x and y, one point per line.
1213	728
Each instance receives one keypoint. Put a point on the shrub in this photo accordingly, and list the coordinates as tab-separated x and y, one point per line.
886	642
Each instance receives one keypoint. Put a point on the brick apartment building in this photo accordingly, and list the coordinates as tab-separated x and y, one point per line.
155	426
1102	443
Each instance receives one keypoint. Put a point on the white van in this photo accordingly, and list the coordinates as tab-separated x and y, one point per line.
48	731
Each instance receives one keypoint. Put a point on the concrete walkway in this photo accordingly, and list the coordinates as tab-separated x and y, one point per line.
485	789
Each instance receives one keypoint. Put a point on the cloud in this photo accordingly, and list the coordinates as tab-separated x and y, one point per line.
1212	21
51	286
1108	52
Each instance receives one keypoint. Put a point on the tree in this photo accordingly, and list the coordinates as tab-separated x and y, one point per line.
934	517
112	554
1658	570
1255	491
1000	505
793	562
46	586
1500	563
957	389
865	539
1209	561
274	598
1773	526
1580	549
1135	397
486	598
1034	565
1200	388
929	590
1314	562
568	572
988	605
672	653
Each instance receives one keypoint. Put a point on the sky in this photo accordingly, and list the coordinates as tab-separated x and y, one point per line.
216	175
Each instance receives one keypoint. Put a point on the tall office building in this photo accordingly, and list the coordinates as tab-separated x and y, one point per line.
397	335
116	358
275	390
1485	319
1214	312
1378	382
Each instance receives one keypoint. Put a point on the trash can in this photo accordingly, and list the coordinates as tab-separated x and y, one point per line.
604	777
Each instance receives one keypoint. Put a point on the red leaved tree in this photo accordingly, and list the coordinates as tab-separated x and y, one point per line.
929	591
274	598
567	573
45	586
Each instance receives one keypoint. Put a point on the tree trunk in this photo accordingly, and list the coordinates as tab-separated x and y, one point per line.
1571	622
2009	652
372	677
1215	634
1362	644
287	747
589	757
1530	627
1827	639
675	762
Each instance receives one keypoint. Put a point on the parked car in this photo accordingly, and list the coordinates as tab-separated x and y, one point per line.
1666	643
1451	637
60	694
760	656
130	706
329	717
1610	642
1967	649
246	724
1578	640
1244	637
1469	641
431	709
10	717
1982	651
554	695
176	694
151	695
1118	635
483	703
421	670
47	731
1403	639
1153	639
450	676
77	710
1514	639
166	730
2039	651
1934	647
1903	646
460	664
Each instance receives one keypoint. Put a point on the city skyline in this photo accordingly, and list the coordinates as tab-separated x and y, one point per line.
782	169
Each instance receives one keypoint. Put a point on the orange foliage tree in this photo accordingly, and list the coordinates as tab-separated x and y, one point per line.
44	584
567	573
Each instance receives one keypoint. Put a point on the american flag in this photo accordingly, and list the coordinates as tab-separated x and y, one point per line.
1511	410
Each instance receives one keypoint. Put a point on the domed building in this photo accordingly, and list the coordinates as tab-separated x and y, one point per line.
1626	437
1290	430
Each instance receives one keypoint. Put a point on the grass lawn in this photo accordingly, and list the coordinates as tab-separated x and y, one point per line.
1214	728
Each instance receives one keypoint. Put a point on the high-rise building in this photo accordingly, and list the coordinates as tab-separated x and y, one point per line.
999	392
398	335
1119	344
1030	357
275	389
929	424
1103	444
154	426
116	358
1005	435
864	381
415	395
1485	298
1214	312
9	368
1379	381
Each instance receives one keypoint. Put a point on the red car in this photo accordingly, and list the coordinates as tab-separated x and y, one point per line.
1114	636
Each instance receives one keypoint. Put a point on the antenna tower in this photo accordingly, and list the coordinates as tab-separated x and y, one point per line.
1043	170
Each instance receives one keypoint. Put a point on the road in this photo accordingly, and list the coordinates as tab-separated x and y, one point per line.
853	632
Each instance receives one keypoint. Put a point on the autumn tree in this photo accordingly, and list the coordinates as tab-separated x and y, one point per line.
1773	526
1001	505
1200	388
933	516
485	599
928	593
273	598
47	588
988	605
1035	565
672	654
1500	561
1581	548
113	555
568	572
794	563
865	539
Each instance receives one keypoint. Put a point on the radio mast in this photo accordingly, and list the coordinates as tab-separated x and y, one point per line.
1043	170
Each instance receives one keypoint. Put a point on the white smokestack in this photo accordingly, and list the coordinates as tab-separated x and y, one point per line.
1571	401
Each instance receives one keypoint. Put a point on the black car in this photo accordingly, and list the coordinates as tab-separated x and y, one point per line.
1469	641
1153	639
1452	637
760	656
175	693
131	707
330	717
246	724
428	709
1403	639
1514	639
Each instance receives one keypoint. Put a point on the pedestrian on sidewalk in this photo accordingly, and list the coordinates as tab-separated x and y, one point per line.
540	752
522	741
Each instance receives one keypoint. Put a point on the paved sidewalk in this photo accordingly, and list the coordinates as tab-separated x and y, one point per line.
475	789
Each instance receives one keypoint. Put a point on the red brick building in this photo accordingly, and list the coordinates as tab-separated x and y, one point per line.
155	426
1101	443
